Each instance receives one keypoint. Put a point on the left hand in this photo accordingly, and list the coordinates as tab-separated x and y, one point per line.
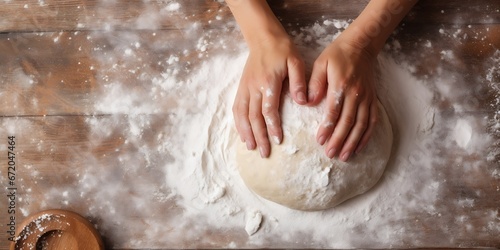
345	73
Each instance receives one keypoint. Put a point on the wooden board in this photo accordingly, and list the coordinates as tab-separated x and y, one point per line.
52	15
54	67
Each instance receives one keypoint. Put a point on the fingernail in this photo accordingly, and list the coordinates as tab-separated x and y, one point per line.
301	97
345	156
249	145
276	140
310	96
331	153
322	140
261	150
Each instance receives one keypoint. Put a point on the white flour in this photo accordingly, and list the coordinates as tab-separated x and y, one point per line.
194	152
175	183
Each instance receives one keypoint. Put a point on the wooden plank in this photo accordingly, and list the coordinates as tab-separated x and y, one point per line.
465	51
57	73
53	15
66	72
41	76
85	155
455	12
308	12
64	152
424	12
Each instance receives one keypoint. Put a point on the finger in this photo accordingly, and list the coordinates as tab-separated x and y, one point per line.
317	83
270	111
296	77
240	114
344	125
236	110
258	125
372	122
333	108
356	133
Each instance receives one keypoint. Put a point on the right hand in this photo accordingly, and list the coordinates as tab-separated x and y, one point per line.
345	74
256	106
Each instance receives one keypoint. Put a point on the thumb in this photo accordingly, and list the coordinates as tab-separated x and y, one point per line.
297	79
317	83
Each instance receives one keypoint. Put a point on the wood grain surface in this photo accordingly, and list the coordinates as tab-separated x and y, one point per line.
54	67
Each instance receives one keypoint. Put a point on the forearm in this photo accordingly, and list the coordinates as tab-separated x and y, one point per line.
376	23
256	20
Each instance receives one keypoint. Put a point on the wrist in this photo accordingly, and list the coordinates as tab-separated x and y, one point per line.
268	39
375	24
257	22
357	42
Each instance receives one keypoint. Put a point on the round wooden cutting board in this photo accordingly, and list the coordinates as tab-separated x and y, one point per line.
56	229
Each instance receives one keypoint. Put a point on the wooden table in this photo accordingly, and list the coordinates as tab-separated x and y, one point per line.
53	70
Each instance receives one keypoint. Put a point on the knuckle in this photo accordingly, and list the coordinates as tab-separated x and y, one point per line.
268	112
358	91
268	106
363	124
332	113
318	63
254	116
343	84
349	121
236	109
258	95
238	128
245	129
295	62
270	120
327	127
240	115
337	97
269	79
240	107
261	135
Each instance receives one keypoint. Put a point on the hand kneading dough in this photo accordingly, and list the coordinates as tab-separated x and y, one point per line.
300	176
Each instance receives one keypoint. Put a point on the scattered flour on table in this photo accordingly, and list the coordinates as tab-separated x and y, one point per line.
493	79
462	133
201	175
254	218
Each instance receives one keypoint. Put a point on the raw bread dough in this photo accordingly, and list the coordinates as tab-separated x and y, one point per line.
300	176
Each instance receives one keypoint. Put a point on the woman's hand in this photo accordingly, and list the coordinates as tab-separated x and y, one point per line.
344	73
256	106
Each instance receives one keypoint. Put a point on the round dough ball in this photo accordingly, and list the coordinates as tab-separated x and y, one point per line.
300	176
